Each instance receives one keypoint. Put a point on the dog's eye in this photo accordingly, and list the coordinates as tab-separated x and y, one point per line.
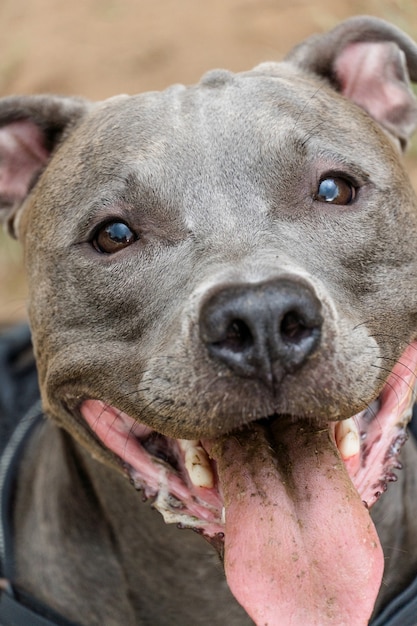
113	236
336	191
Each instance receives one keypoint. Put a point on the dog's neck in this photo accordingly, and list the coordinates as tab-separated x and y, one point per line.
65	499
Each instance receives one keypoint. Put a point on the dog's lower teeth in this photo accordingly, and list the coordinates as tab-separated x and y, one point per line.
197	464
347	438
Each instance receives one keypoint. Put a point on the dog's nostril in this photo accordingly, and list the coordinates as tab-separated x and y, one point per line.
293	328
237	337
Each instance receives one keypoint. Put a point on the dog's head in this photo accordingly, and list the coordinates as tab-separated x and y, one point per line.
223	301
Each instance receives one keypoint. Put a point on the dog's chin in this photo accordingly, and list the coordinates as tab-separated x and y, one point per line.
257	490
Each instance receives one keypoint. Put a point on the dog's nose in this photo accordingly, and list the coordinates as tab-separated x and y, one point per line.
262	330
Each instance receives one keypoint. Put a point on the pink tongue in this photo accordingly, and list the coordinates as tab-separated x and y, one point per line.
300	547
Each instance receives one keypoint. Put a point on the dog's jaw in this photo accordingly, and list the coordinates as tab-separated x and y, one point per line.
269	482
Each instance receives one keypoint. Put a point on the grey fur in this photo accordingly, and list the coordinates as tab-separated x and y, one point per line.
218	179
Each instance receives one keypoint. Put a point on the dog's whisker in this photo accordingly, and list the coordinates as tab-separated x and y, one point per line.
398	376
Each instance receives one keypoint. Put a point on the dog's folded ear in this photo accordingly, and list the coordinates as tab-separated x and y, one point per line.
370	62
30	130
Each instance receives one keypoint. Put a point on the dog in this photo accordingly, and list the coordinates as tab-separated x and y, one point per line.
223	306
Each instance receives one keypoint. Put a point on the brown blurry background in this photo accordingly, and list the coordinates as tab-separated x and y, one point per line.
98	48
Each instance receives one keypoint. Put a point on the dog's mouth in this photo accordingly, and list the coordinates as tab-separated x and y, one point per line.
285	498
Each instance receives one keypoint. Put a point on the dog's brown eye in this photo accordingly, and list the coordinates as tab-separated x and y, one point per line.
113	237
336	191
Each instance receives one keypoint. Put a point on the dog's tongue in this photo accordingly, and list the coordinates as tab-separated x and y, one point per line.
300	546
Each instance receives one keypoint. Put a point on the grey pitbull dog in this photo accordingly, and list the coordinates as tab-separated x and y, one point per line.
223	301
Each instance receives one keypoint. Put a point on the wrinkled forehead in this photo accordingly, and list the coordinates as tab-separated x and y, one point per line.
209	117
224	117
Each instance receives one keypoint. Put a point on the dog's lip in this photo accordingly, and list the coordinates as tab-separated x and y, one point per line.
157	466
382	430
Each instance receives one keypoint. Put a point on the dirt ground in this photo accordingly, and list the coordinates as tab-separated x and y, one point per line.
98	48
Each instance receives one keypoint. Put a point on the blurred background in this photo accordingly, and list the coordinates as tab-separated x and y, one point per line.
98	48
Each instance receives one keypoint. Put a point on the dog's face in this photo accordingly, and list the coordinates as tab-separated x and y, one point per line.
219	275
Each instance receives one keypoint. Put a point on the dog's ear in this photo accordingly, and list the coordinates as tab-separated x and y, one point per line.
370	62
30	129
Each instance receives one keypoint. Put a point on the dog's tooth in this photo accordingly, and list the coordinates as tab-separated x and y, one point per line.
197	464
347	438
345	426
200	475
349	446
